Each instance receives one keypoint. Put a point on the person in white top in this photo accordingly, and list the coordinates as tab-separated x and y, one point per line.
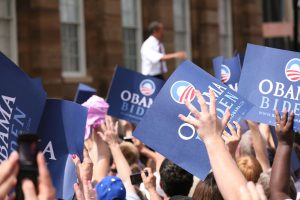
153	52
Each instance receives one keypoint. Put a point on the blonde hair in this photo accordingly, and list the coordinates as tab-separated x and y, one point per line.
250	168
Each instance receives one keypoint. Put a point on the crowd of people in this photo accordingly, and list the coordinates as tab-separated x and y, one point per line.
245	162
242	163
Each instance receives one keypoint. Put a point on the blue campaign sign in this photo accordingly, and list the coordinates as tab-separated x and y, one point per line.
38	82
61	132
162	130
131	94
83	93
21	105
228	70
270	80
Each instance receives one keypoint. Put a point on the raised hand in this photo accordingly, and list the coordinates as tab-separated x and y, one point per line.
206	122
280	176
109	132
149	181
232	141
284	128
84	170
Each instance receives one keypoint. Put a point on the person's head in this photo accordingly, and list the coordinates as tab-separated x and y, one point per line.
174	180
246	145
250	167
110	188
130	152
156	29
207	189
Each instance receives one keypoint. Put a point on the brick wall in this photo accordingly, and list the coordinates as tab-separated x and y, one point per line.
205	32
247	23
39	42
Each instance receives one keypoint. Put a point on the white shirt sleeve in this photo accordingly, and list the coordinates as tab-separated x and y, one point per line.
150	54
132	196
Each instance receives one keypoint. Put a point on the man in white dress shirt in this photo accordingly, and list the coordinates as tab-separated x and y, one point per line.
153	52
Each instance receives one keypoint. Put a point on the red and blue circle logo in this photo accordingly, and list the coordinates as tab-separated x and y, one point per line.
292	70
147	87
181	91
225	73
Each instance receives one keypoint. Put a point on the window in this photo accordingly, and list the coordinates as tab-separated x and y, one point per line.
8	33
278	23
72	37
181	11
132	33
225	28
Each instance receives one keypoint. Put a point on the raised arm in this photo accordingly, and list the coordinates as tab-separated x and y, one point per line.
100	156
109	134
259	145
228	176
280	176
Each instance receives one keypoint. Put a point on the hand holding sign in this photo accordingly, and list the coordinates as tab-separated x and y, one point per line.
207	123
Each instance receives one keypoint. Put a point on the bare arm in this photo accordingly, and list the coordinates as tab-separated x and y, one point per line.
267	135
259	146
229	179
109	134
280	176
169	56
100	156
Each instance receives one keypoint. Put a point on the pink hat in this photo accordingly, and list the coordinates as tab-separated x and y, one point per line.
97	109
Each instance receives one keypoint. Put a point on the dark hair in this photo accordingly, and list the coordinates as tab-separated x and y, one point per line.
174	180
154	26
207	189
